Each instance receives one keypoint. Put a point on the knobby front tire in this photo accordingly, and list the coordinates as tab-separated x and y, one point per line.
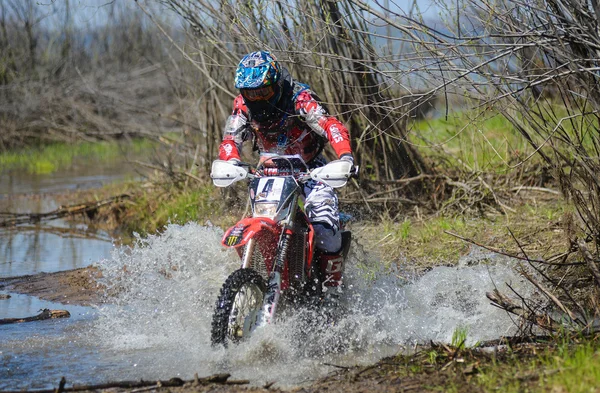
238	305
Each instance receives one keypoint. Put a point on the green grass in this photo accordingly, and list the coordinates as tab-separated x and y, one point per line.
483	140
477	142
150	211
559	365
567	368
53	157
562	364
541	226
575	369
459	337
420	239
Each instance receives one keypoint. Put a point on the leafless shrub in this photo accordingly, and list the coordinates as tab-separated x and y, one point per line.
537	64
65	81
375	68
325	44
131	81
545	80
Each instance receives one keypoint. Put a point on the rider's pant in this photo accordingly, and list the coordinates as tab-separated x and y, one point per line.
321	208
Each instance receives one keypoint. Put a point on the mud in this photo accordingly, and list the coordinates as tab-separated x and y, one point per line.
77	287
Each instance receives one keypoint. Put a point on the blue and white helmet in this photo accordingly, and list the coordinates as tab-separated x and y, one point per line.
260	81
257	69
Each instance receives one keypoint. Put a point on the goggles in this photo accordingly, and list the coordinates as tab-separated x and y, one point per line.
258	94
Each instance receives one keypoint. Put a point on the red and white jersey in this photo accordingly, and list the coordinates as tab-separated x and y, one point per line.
303	130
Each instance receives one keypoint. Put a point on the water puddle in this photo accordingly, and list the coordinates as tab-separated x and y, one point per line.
37	354
19	306
48	249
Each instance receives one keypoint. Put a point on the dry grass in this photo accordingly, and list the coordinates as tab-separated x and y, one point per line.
538	222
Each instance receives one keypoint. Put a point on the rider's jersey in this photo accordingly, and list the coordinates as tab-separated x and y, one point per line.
303	129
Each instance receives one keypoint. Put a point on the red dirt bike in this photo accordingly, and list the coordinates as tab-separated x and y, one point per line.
275	244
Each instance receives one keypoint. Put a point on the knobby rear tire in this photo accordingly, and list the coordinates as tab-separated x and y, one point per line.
224	325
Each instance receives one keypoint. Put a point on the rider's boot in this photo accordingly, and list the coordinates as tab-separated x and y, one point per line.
331	265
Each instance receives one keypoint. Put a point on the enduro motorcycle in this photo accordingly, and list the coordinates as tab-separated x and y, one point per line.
275	243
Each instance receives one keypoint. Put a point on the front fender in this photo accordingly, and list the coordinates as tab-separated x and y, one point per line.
239	234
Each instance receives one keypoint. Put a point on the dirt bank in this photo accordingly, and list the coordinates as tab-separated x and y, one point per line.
78	287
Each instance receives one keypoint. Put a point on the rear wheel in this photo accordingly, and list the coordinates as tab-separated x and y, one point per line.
238	306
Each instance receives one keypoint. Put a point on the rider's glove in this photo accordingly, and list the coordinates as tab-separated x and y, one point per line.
347	157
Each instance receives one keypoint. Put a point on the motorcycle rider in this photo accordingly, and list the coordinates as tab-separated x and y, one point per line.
283	116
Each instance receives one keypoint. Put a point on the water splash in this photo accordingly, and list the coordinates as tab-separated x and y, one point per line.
166	286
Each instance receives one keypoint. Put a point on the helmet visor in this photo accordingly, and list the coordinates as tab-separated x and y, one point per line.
259	94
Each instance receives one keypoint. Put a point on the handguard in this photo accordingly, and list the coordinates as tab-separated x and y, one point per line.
335	174
225	173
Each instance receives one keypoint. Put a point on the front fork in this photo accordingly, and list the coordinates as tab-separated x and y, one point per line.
273	293
248	252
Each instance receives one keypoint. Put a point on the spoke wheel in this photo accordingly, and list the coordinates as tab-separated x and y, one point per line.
238	306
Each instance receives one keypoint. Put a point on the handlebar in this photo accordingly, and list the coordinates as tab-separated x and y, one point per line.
336	173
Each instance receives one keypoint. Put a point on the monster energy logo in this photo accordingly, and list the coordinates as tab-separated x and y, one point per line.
232	240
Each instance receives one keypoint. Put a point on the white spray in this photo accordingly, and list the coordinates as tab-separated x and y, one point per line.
166	286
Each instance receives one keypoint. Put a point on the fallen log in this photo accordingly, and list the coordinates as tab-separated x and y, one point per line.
89	208
65	233
45	314
221	379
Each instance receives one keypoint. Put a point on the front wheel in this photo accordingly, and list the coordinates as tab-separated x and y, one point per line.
238	306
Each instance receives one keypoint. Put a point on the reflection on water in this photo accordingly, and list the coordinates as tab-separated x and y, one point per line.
80	176
45	250
21	306
56	245
48	247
